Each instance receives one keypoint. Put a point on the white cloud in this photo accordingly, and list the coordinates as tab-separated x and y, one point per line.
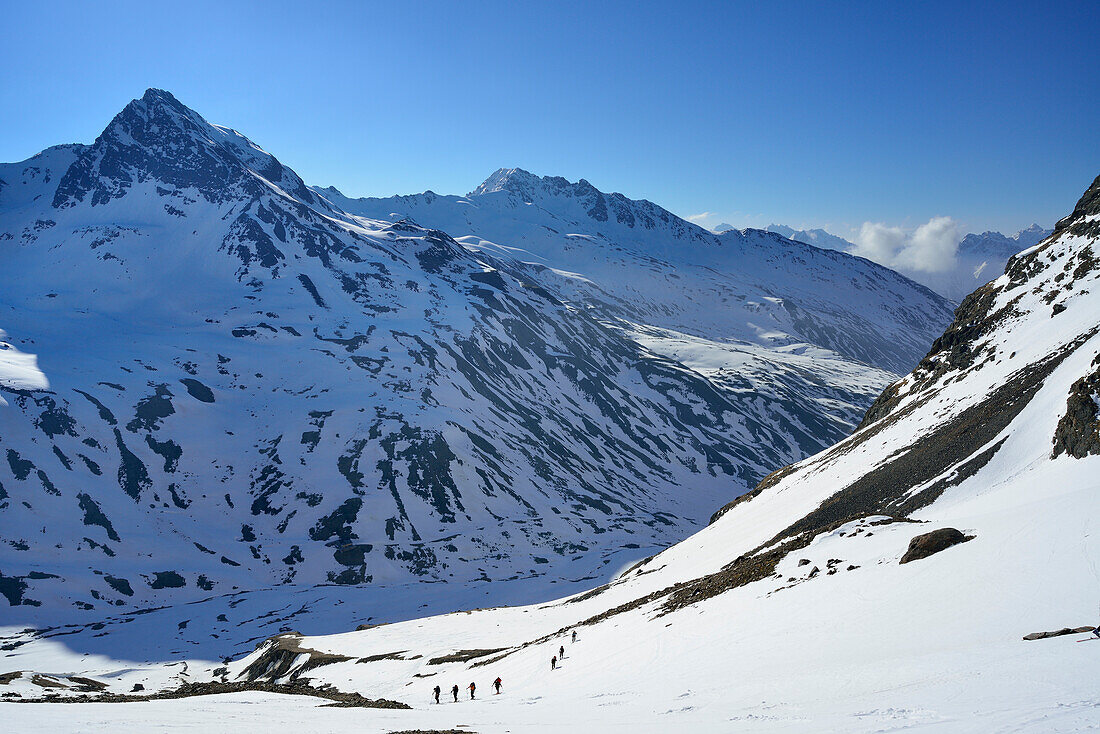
700	217
929	248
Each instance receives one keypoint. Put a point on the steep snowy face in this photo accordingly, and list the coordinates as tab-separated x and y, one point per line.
238	385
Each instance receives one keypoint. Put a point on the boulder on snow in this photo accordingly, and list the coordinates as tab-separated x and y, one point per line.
927	544
1058	633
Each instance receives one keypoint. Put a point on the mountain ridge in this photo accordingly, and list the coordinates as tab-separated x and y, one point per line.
250	386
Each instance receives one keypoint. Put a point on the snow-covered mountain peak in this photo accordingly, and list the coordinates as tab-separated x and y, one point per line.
515	180
158	138
1031	235
581	202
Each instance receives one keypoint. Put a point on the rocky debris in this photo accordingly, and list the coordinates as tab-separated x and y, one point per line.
400	655
47	681
213	688
280	653
1058	633
76	683
88	684
1078	431
462	656
928	544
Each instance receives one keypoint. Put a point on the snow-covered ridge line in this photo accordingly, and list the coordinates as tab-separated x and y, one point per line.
642	264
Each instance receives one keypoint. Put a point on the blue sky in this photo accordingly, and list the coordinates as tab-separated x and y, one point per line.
811	114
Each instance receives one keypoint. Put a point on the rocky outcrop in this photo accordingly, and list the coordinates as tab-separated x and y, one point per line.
1078	431
282	657
931	543
339	698
1058	633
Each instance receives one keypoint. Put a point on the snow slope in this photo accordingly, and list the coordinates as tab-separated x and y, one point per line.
792	611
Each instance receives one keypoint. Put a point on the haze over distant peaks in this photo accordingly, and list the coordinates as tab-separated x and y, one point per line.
816	237
978	259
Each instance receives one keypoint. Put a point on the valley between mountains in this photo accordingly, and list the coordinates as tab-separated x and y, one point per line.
263	436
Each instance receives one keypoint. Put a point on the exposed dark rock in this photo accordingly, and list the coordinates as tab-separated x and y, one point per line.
1078	431
197	390
928	544
462	656
167	580
1075	223
400	655
12	588
213	688
87	684
1058	633
152	409
279	655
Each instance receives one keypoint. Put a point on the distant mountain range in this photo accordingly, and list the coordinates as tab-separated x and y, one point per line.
979	258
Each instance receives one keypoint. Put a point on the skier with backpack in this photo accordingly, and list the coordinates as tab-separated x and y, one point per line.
454	692
561	652
436	691
574	635
472	687
497	684
554	663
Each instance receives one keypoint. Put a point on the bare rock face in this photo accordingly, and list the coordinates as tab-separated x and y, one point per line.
928	544
1078	432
